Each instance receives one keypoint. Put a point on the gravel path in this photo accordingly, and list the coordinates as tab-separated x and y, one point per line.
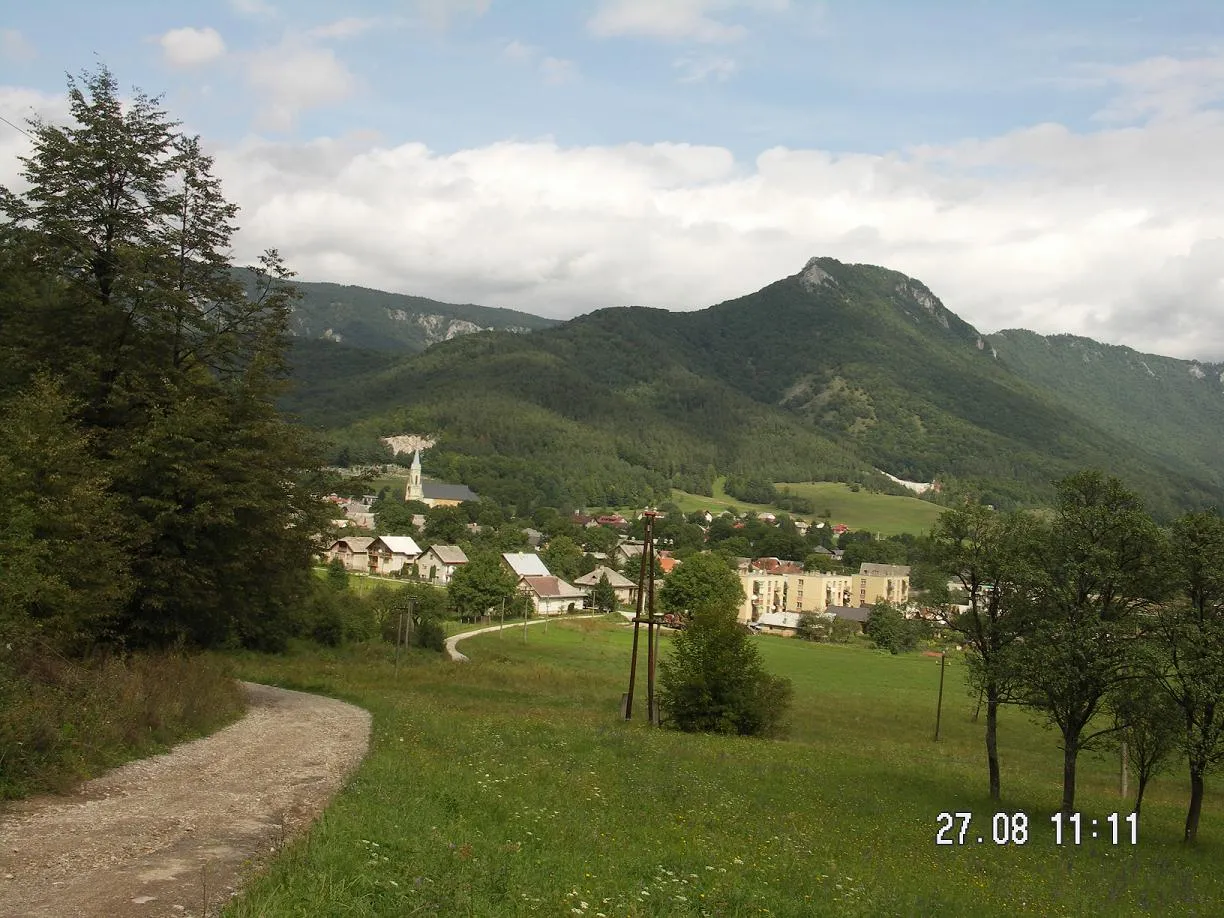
176	834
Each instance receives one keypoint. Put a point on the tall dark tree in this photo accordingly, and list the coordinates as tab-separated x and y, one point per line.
990	555
133	306
1097	568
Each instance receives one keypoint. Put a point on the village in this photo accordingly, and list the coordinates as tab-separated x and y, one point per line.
778	592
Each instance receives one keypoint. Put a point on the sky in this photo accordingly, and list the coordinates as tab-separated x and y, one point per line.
1048	165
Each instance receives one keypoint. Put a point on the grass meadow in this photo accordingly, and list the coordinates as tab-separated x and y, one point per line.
886	514
510	786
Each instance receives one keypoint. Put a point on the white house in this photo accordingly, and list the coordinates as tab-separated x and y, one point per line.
524	564
439	563
353	551
389	554
625	589
552	595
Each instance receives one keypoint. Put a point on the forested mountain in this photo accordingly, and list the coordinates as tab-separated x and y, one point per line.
1172	408
828	373
374	319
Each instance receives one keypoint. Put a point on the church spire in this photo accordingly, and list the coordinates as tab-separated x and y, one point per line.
415	491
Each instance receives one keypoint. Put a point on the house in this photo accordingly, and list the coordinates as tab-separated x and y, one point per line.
439	563
614	520
534	537
777	566
525	564
625	589
887	582
352	551
551	595
389	554
778	622
630	548
667	563
840	529
856	614
358	514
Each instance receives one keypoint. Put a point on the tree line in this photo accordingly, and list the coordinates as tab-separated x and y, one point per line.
1108	626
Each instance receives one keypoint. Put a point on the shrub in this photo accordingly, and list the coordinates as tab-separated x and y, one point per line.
890	630
714	681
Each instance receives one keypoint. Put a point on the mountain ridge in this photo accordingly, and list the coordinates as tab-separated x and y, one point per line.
834	371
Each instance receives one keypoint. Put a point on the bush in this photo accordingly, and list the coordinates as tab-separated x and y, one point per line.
62	721
430	633
890	630
714	681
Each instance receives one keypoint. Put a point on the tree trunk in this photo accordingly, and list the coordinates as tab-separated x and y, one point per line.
1070	753
992	739
1196	803
1143	780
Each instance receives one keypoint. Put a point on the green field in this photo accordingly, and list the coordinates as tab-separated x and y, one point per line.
509	786
886	514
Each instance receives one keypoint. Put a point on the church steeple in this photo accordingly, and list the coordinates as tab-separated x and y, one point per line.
415	491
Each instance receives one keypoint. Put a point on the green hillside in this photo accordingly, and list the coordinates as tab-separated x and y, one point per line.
1171	408
886	514
374	319
822	376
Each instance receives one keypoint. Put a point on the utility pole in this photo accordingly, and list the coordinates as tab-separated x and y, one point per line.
943	659
645	603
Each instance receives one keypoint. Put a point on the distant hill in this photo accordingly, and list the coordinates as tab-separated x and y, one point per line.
1171	408
829	374
376	320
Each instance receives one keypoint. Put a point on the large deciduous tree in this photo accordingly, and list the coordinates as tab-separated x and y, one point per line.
1097	568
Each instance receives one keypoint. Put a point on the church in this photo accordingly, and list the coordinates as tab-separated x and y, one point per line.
433	493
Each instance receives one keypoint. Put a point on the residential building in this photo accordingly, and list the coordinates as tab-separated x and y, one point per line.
352	551
389	554
625	589
525	564
876	582
792	592
439	563
551	595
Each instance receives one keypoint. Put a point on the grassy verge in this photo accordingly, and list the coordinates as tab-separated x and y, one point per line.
509	786
62	721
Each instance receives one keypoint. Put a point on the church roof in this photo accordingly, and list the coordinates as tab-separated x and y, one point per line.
434	490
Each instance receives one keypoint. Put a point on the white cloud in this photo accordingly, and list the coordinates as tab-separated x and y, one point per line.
18	105
1115	234
1160	87
700	69
344	28
190	47
15	47
675	20
519	52
296	75
254	9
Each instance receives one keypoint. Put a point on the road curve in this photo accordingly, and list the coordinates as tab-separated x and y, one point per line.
454	653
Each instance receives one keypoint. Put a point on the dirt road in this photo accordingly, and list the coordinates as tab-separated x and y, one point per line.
177	833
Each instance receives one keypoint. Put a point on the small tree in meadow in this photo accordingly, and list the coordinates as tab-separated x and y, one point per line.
603	597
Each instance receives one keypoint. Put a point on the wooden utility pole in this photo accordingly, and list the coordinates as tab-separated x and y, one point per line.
943	659
645	603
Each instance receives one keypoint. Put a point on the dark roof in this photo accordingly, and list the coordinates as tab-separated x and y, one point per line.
552	586
437	491
853	613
